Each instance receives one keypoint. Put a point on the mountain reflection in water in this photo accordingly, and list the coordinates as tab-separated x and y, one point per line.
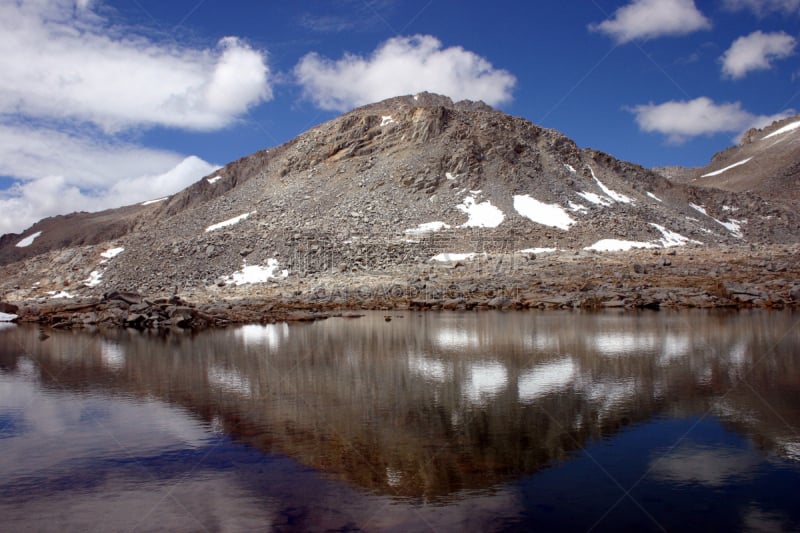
481	414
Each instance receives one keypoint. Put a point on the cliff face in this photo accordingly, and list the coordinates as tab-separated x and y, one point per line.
388	184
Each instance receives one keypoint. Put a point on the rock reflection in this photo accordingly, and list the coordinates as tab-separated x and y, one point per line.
427	405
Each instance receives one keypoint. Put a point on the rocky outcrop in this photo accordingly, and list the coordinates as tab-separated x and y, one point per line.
639	280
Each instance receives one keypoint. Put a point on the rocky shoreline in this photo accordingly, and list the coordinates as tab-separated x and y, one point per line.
692	277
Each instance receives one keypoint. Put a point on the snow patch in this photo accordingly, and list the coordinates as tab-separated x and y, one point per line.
786	129
541	213
480	215
229	222
616	196
112	252
578	208
729	208
720	171
670	238
386	120
95	278
654	197
570	168
699	208
213	180
250	274
427	227
450	258
27	241
593	198
157	200
7	317
450	176
733	226
54	295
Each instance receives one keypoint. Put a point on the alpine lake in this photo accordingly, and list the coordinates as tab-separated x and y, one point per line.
407	421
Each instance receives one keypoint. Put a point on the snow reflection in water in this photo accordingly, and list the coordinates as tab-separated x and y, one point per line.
499	418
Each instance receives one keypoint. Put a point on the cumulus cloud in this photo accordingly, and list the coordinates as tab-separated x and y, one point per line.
764	7
402	65
68	173
61	61
648	19
28	152
681	120
74	80
756	51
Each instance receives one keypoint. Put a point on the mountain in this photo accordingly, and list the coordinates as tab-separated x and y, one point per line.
767	162
393	187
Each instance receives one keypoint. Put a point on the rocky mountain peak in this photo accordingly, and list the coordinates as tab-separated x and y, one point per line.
401	182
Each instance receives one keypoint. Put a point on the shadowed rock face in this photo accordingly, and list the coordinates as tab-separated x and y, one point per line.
351	194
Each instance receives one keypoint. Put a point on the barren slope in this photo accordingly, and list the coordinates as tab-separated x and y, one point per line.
397	183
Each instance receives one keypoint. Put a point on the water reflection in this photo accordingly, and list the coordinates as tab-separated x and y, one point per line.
711	467
425	406
546	378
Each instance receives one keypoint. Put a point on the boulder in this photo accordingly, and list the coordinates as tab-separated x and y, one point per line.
130	298
500	302
135	319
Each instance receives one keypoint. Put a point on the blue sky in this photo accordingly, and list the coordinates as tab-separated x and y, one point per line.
106	103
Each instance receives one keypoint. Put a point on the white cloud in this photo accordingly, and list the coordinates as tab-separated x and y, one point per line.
681	120
764	7
647	19
31	153
151	186
756	51
61	61
402	65
136	174
72	80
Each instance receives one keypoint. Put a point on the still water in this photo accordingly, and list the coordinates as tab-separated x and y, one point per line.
469	422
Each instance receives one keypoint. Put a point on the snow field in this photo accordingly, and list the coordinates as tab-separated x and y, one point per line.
27	241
